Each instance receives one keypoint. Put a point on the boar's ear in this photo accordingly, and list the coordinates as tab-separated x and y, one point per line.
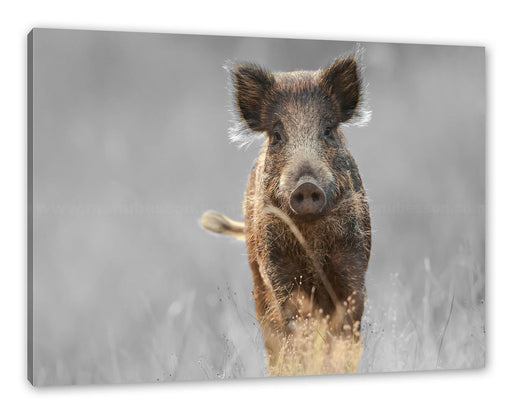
342	82
252	86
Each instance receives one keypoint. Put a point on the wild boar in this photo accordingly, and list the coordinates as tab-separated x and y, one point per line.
307	222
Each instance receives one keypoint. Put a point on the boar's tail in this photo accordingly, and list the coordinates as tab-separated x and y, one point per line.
217	223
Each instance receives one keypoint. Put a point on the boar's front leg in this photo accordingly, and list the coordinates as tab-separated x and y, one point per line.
346	269
268	312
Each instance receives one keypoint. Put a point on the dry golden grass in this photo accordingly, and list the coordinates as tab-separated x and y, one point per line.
313	350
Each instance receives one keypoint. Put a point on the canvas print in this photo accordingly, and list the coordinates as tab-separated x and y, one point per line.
211	207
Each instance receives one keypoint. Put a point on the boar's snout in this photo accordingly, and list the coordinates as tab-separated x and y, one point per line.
308	199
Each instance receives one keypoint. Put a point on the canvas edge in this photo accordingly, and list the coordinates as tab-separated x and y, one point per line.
30	203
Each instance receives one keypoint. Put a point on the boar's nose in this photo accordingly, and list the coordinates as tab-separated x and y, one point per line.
307	198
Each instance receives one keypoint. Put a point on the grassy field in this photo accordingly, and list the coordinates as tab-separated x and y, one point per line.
312	350
440	326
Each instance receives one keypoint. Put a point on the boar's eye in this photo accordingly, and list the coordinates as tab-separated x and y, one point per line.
329	138
275	138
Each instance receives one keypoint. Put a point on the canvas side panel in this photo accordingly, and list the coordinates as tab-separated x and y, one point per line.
30	183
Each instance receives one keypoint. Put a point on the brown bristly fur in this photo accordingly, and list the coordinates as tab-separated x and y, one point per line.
308	270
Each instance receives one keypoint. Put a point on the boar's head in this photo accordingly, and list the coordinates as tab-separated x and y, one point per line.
307	167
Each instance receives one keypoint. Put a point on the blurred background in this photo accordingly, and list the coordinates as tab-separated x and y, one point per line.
131	147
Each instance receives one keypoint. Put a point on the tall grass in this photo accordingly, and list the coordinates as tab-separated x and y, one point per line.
313	350
421	321
437	324
407	326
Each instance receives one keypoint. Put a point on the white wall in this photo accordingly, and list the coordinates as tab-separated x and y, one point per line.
433	22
